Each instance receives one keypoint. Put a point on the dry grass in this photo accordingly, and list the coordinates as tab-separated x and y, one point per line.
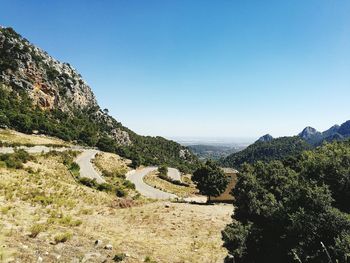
47	214
14	137
152	179
111	162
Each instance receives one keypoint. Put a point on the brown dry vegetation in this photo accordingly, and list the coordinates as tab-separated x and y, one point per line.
45	213
14	137
152	179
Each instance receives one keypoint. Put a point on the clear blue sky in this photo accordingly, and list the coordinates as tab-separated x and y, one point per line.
200	68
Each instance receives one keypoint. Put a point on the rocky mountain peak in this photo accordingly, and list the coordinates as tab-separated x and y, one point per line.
308	132
50	83
265	138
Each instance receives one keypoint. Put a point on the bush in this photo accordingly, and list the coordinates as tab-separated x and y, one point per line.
63	237
16	159
163	170
128	184
88	182
36	229
105	187
120	192
119	257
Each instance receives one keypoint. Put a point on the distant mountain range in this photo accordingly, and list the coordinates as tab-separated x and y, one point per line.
267	148
336	132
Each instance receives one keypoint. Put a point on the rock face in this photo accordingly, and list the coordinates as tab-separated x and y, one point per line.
334	133
344	129
331	131
265	138
311	135
50	83
308	133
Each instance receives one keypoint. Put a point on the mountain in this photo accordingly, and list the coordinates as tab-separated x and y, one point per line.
279	148
311	135
344	129
336	132
39	93
331	131
265	138
266	148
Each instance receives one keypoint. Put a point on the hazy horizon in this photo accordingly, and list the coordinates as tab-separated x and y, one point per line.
225	69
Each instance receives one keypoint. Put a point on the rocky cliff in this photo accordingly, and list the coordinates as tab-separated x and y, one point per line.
50	83
62	104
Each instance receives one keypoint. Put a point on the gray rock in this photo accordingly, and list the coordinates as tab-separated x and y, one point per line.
108	247
98	243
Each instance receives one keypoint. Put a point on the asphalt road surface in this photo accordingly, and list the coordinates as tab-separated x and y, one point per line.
86	168
136	176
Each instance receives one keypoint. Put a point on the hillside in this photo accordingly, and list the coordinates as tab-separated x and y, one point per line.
266	148
39	93
47	215
276	149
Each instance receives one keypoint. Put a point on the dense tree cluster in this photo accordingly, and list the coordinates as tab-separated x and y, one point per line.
276	149
284	210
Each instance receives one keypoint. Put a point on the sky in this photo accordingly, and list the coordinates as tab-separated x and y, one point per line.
202	68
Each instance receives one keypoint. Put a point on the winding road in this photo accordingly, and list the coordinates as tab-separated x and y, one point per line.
87	169
136	176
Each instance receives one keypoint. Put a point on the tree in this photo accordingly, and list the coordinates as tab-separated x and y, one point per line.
163	170
281	216
210	180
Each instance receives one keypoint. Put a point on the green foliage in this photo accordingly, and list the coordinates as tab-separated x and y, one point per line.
330	165
63	237
277	149
285	210
16	159
210	179
119	257
163	170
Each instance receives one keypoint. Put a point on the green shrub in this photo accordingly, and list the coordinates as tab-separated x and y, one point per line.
36	229
63	237
120	192
128	184
88	182
105	187
15	160
119	257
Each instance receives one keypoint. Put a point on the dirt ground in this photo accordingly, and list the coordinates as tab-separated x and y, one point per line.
15	137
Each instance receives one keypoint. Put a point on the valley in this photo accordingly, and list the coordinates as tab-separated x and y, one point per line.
77	185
